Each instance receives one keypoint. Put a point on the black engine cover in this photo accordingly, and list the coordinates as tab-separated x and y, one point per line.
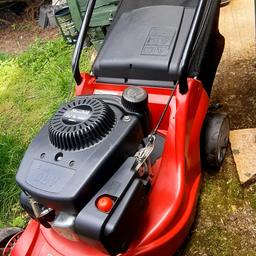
63	168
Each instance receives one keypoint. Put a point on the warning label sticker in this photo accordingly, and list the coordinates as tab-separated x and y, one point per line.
158	41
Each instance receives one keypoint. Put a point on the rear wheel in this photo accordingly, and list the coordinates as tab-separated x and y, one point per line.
6	234
214	140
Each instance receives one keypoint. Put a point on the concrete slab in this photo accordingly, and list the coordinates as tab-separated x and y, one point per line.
243	146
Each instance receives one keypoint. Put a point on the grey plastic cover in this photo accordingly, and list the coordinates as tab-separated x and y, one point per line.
145	44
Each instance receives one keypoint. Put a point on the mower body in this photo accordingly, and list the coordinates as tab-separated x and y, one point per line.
171	207
163	48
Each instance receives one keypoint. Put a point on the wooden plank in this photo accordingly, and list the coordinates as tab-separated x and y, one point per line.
243	146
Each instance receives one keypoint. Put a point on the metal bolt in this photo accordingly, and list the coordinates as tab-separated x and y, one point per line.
42	156
71	163
126	118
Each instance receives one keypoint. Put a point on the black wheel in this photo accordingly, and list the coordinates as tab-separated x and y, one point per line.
5	235
214	140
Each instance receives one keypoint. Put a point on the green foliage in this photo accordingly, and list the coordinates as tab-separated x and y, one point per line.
32	86
3	56
19	221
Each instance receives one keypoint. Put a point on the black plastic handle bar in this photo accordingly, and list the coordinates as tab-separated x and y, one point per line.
184	64
80	41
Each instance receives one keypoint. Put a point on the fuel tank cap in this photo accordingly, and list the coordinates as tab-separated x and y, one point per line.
135	99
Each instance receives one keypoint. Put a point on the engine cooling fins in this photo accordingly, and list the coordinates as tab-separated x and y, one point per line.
81	123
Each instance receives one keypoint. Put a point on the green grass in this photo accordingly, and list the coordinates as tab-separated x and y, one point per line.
4	56
32	86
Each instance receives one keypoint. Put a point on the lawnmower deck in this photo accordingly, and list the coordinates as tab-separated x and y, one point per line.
176	179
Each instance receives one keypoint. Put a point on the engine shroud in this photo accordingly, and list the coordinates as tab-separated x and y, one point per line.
79	149
81	123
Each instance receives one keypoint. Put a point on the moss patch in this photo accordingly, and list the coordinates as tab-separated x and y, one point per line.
226	221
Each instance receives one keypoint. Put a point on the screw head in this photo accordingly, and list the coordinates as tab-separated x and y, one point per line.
126	118
42	156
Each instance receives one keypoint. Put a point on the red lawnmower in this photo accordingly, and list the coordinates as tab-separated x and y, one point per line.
117	170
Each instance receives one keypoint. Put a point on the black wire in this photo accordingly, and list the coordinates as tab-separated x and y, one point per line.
163	113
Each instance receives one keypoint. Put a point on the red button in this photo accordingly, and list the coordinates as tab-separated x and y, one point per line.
105	204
